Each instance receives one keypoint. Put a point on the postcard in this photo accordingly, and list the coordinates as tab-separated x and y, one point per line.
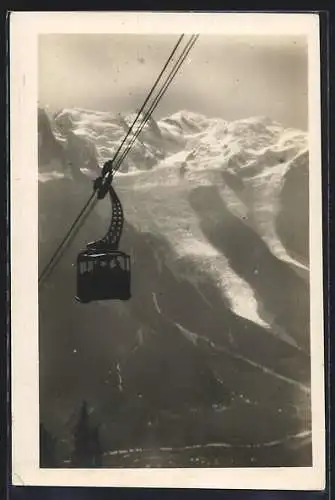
166	250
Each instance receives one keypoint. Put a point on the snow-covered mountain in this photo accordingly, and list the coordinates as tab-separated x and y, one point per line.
217	226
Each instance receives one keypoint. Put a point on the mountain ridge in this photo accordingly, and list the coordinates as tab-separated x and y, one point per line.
220	289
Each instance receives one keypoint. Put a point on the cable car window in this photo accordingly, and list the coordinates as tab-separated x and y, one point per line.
119	264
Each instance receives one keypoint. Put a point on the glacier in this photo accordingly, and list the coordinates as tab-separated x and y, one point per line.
216	221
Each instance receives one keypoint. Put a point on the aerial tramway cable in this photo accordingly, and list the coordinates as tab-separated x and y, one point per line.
152	107
69	237
89	205
157	99
50	266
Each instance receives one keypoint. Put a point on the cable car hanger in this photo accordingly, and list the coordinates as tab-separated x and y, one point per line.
103	271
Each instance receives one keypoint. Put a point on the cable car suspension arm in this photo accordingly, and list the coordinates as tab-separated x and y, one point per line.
112	238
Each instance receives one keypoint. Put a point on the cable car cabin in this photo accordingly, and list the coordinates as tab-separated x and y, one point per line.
103	276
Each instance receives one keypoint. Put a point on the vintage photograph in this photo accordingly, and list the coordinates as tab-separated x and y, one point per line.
174	255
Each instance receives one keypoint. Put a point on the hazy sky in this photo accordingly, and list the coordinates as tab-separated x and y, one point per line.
230	77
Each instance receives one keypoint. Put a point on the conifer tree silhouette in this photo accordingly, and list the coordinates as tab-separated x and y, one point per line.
96	448
87	448
47	449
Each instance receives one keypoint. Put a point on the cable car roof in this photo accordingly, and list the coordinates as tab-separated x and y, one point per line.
109	255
